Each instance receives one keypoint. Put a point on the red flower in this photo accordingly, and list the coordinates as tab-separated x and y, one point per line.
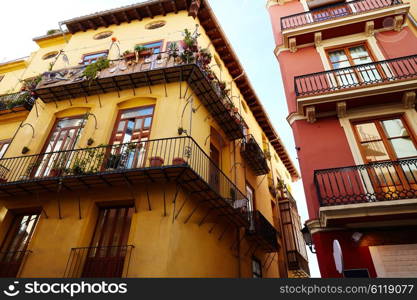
113	39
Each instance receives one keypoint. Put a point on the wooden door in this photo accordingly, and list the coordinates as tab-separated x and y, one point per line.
108	250
131	133
14	246
214	179
384	141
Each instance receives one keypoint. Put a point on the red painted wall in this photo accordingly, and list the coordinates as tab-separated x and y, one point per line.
278	11
322	145
396	44
303	61
355	255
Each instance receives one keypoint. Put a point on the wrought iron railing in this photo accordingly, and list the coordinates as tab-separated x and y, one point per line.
380	181
11	263
387	71
121	75
261	227
103	262
122	158
10	101
254	155
335	11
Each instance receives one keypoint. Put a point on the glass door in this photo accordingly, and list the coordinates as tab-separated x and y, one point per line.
107	253
63	137
14	246
350	60
132	131
387	140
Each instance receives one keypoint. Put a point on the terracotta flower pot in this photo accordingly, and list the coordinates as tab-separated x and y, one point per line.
156	161
54	173
178	161
129	56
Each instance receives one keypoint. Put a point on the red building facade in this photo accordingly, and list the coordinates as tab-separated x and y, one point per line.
350	75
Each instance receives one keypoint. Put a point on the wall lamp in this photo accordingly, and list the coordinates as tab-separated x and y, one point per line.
308	239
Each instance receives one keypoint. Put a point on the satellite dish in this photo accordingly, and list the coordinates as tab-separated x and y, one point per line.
338	256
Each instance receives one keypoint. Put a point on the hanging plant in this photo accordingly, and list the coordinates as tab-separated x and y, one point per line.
91	72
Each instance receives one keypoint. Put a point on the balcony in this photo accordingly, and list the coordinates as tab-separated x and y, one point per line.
372	190
11	263
263	232
161	160
162	68
365	84
254	156
295	246
16	102
343	19
99	262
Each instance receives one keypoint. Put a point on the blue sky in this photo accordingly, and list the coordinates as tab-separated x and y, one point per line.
245	22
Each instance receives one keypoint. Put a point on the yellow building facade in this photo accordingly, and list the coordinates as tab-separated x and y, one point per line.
131	147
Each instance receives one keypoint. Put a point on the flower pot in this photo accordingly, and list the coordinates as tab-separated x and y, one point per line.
145	53
129	56
156	161
235	109
3	180
54	173
178	161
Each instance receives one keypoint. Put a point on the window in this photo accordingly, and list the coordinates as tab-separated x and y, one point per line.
385	139
3	147
103	35
133	126
108	247
93	57
256	268
14	246
50	55
63	137
155	25
353	56
250	194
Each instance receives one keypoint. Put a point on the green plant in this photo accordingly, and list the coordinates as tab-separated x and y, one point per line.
52	31
173	50
190	40
92	70
140	48
32	167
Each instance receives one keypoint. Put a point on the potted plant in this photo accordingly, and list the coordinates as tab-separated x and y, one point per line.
113	161
129	55
178	161
143	51
173	50
57	167
156	161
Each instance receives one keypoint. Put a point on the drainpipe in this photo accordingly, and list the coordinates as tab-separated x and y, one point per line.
411	18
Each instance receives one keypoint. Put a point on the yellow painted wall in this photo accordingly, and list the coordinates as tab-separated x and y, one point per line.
162	248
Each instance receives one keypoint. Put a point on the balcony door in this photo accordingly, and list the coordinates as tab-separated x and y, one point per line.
350	60
214	168
382	141
108	250
14	247
130	136
64	137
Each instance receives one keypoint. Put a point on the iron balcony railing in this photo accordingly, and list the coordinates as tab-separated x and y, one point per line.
20	99
364	75
161	68
24	172
263	231
254	155
335	11
380	181
99	262
11	263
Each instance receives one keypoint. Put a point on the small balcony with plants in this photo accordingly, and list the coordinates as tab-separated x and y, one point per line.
16	102
254	156
178	159
141	67
340	18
